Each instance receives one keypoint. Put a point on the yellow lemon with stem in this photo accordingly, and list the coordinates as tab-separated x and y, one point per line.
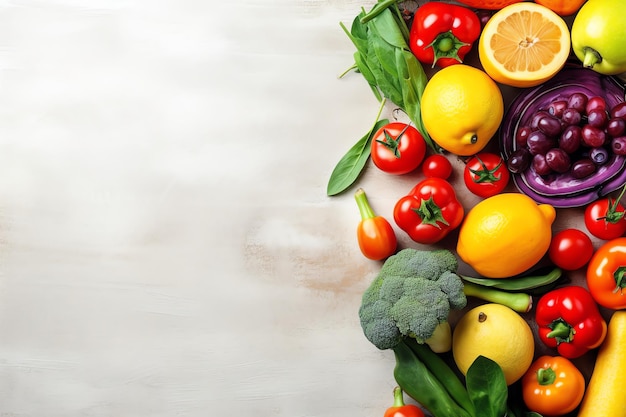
505	235
498	333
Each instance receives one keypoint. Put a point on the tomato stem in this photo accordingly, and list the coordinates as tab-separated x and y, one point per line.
391	143
619	279
485	174
612	215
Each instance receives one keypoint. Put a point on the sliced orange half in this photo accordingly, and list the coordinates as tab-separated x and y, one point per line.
524	44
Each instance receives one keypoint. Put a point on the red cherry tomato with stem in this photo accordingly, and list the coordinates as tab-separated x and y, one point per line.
486	174
437	166
398	148
605	219
570	249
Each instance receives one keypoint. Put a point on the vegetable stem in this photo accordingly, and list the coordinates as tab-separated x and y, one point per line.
398	397
518	301
362	202
343	74
546	376
377	9
591	57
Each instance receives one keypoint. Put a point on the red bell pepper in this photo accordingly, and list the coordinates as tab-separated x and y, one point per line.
569	320
442	33
430	211
606	274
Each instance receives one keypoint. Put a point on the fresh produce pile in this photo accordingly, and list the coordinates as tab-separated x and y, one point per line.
529	97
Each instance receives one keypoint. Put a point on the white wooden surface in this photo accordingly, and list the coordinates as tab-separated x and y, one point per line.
166	244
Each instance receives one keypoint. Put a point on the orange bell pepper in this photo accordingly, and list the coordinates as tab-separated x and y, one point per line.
552	386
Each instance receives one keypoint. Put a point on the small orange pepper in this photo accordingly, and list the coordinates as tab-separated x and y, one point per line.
376	237
552	386
399	409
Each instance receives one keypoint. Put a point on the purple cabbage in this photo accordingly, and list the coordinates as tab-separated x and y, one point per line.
563	190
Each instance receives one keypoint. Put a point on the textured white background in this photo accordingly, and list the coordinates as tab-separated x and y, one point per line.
166	244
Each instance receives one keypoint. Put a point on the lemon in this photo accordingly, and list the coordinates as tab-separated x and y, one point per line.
505	235
498	333
462	109
524	44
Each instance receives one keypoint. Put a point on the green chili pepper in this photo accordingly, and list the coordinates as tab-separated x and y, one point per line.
418	381
523	283
442	371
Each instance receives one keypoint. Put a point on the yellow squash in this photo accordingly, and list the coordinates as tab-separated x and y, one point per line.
605	393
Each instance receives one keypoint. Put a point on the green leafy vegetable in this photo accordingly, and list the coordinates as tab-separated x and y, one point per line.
487	387
351	164
386	62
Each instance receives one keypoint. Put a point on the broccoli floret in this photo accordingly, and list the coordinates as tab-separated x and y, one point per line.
411	296
449	284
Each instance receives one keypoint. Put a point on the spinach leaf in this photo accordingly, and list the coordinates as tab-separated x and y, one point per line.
385	60
487	387
351	164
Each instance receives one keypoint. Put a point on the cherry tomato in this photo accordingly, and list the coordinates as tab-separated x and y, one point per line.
570	249
398	148
605	219
437	166
486	174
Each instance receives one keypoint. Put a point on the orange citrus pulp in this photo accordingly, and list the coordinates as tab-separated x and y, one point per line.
524	45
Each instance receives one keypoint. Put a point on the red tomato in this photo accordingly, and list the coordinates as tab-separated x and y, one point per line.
604	218
437	166
398	148
570	249
486	174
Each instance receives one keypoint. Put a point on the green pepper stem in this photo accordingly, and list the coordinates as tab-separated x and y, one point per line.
446	45
563	332
518	301
364	206
398	397
546	376
430	213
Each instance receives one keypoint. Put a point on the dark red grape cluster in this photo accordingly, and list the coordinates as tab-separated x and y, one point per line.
574	135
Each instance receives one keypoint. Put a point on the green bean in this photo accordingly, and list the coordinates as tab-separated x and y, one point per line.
419	383
444	373
523	283
518	301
